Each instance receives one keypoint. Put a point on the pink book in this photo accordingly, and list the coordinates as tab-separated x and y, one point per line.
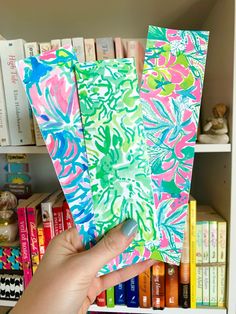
119	48
24	237
34	218
58	215
67	216
135	50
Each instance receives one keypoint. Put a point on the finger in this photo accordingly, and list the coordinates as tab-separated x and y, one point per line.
124	274
111	245
69	240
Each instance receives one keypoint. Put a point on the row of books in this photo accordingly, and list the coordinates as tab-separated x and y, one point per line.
17	125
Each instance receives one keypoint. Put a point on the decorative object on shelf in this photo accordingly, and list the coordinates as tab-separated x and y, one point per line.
216	128
8	217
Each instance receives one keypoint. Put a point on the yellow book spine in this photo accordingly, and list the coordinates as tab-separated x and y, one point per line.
192	234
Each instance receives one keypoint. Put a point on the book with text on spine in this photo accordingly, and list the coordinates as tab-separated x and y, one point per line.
57	211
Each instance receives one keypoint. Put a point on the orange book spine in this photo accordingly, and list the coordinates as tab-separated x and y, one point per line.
172	291
158	285
144	282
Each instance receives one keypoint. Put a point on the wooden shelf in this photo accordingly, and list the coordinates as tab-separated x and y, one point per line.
200	148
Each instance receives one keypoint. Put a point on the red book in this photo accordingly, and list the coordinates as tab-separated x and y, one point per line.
67	216
34	218
47	217
101	299
24	237
41	241
58	215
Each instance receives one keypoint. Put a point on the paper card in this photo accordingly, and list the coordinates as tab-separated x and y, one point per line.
171	93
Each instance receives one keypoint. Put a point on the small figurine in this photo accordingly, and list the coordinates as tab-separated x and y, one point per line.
8	217
216	129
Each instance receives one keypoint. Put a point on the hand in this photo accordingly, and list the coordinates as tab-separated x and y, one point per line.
65	281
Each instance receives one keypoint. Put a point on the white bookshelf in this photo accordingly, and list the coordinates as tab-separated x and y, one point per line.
214	175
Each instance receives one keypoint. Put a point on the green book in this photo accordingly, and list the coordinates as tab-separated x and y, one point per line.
110	295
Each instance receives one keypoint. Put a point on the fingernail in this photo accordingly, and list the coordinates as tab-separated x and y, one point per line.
129	228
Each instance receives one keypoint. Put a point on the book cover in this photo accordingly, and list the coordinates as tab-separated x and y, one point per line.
57	211
41	241
105	48
199	268
110	297
172	285
192	242
119	48
18	110
34	218
132	292
55	44
67	216
120	294
158	285
78	45
101	299
89	48
4	126
170	94
144	283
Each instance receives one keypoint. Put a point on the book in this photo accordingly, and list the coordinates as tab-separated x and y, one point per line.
132	292
47	216
18	111
213	288
192	251
57	210
66	42
78	45
55	44
110	297
89	48
34	218
67	216
41	241
45	46
101	299
185	268
158	285
4	126
144	284
119	48
120	294
172	286
105	48
199	268
24	238
135	50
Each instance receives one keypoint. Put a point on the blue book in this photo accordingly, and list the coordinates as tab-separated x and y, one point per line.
120	294
132	292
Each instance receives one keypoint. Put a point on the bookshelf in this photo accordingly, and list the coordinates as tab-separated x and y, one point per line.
214	179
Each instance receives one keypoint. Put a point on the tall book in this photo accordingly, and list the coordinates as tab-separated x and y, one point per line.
89	47
120	294
172	285
24	237
158	285
105	48
135	50
132	292
185	269
18	110
55	44
213	263
34	218
144	283
67	216
192	242
4	126
57	210
199	268
32	49
110	297
119	48
78	45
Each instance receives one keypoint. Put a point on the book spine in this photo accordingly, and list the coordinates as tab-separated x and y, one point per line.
199	238
172	290
41	242
18	109
67	216
213	259
66	42
205	264
58	220
192	233
132	290
55	44
43	47
119	48
25	245
101	299
33	237
144	283
105	48
4	127
78	45
120	294
158	285
89	48
48	228
222	232
110	297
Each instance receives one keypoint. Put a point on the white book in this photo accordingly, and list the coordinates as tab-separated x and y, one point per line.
66	42
89	47
44	47
4	127
18	110
32	49
78	45
55	44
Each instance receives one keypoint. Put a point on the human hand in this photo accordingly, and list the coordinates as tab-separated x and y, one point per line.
65	281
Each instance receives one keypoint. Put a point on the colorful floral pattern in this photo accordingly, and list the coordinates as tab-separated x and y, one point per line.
171	93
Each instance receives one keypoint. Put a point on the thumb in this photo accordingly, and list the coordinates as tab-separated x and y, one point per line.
111	245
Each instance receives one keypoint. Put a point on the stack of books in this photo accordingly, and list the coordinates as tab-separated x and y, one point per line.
17	124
